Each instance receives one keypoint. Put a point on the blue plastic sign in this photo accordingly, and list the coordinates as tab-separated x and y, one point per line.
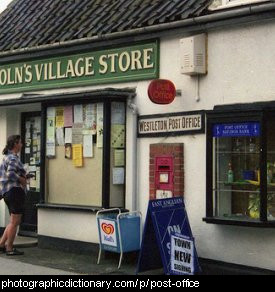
249	129
182	254
164	217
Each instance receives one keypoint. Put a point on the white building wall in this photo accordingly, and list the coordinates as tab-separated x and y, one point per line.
240	69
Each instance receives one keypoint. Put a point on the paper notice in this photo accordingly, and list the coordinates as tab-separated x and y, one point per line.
77	136
118	113
38	179
77	155
118	136
50	149
90	116
68	135
37	124
28	125
50	129
68	151
119	157
99	126
51	112
118	175
68	116
78	113
88	146
60	136
60	117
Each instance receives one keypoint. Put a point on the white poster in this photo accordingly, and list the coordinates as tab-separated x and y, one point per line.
108	232
182	255
50	149
118	175
78	113
60	136
68	135
99	125
51	112
88	146
90	116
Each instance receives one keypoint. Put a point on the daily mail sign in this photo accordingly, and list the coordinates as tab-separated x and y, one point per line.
173	124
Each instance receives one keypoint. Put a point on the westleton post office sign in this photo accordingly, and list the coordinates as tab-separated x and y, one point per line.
171	124
139	62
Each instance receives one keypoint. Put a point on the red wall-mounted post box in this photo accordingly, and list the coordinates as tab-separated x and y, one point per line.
164	176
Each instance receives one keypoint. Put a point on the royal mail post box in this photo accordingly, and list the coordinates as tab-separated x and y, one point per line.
164	177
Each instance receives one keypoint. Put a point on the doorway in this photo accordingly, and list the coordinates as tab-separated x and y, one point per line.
31	157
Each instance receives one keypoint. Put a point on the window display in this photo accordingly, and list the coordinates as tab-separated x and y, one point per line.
237	169
242	171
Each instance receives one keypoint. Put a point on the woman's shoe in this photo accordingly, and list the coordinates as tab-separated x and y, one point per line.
2	249
14	252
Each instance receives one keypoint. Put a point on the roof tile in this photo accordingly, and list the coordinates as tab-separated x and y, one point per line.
28	23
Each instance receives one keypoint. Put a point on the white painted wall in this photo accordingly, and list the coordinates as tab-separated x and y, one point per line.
241	64
68	225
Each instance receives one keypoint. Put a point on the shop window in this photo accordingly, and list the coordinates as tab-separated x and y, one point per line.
241	170
76	164
270	168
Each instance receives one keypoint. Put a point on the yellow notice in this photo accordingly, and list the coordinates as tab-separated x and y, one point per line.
77	155
60	117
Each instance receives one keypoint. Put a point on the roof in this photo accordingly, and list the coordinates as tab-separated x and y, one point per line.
31	23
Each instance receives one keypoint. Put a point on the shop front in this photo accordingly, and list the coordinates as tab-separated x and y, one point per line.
77	142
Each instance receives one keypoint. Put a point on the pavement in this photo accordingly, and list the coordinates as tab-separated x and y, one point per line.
40	261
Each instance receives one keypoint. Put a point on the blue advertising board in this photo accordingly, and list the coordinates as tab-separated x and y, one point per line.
164	217
248	129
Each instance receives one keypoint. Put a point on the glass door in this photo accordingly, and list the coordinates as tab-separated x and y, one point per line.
30	156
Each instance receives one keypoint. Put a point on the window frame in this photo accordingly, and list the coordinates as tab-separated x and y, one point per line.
214	117
107	101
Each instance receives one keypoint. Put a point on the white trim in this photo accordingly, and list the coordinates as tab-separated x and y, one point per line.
233	3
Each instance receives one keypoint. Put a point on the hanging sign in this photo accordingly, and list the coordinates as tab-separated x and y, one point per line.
248	129
161	91
164	218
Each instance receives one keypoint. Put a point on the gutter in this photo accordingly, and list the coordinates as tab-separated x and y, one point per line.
216	16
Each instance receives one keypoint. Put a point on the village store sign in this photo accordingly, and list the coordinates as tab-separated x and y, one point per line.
125	64
171	124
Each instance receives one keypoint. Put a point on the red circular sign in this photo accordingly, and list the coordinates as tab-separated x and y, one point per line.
162	91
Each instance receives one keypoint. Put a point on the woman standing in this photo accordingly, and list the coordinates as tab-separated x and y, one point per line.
12	187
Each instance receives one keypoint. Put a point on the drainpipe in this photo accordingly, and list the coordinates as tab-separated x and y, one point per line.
133	107
215	16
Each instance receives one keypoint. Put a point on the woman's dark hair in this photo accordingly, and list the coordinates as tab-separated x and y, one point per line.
12	140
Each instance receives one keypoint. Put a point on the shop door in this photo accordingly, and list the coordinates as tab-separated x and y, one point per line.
30	155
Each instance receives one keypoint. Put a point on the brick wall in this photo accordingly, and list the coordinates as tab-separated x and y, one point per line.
165	149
